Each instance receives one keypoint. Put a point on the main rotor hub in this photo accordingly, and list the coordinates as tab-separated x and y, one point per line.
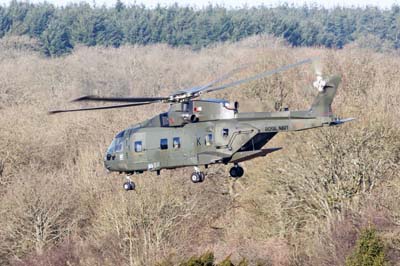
193	111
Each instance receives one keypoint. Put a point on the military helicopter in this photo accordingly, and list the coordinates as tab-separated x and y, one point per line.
201	132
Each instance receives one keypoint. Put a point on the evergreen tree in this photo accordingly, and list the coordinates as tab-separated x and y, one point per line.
119	6
108	33
5	22
56	40
17	12
175	25
369	250
37	19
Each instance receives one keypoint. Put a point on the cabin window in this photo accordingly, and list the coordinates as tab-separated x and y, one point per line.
138	146
164	120
209	139
176	142
225	132
164	144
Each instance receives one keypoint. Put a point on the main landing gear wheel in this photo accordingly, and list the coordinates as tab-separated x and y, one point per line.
197	176
129	186
202	176
236	171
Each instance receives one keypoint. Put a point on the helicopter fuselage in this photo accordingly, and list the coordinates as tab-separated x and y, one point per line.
203	132
198	132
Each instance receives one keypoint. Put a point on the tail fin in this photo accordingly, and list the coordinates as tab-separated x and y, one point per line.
327	90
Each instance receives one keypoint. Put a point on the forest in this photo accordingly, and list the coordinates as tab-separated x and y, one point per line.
60	29
329	197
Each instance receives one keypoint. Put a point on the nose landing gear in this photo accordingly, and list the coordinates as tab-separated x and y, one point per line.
236	171
129	185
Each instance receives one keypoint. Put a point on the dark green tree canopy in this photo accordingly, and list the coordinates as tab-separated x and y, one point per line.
176	26
56	39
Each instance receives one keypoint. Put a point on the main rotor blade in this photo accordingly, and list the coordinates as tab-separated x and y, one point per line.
258	76
96	108
119	99
223	77
194	90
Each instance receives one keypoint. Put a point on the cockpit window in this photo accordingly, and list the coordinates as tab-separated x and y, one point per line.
120	134
111	148
117	143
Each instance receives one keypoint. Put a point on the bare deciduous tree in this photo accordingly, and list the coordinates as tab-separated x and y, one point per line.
53	184
36	213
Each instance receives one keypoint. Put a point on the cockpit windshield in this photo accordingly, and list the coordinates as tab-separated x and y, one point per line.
117	143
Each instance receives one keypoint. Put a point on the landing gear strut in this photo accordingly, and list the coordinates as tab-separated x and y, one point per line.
129	185
197	176
236	171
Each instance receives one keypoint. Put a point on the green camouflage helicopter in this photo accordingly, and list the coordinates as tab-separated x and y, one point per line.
200	132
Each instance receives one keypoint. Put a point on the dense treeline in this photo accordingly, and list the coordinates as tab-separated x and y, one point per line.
60	28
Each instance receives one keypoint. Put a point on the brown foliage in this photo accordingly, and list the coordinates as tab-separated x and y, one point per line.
60	255
37	213
301	206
